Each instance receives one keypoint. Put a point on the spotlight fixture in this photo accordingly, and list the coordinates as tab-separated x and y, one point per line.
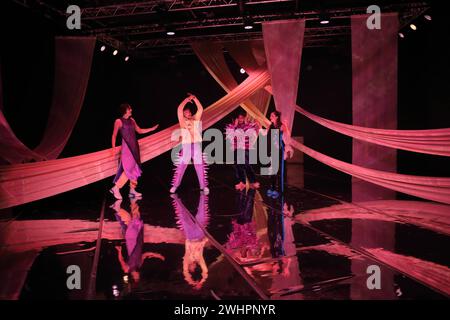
427	17
248	24
127	58
103	48
413	26
401	35
170	31
115	53
242	70
324	18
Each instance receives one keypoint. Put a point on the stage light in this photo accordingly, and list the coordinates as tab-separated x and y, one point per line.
427	17
115	53
413	26
127	58
248	26
324	18
242	70
401	35
103	48
170	31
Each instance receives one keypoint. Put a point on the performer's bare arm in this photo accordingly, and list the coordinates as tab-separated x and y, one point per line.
143	131
117	125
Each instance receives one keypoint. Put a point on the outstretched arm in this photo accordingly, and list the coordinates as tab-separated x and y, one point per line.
117	125
143	131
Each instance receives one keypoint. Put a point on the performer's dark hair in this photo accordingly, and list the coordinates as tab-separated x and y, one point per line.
189	106
278	114
242	113
123	108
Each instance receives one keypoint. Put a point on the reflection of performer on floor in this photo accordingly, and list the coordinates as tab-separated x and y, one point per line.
195	239
242	134
130	158
191	146
279	135
242	242
133	231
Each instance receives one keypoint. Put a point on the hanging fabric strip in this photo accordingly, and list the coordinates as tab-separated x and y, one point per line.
283	43
73	58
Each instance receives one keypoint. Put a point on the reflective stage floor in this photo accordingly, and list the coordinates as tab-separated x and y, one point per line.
227	245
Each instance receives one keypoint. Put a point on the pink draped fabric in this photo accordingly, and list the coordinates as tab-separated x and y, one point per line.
433	141
374	91
23	183
72	67
212	58
283	42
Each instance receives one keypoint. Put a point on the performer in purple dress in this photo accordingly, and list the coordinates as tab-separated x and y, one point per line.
130	159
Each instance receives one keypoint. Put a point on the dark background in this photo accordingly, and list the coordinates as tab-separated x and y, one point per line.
155	87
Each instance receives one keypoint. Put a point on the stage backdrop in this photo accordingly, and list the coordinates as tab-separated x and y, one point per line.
374	87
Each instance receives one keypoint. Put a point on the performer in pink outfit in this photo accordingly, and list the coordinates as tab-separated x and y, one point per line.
191	148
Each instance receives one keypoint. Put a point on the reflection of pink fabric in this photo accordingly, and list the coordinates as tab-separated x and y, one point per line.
73	56
24	183
433	141
283	42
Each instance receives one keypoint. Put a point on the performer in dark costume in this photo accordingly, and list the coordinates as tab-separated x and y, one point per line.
130	158
279	137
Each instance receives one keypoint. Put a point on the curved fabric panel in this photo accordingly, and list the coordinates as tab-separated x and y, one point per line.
73	58
245	53
23	183
431	188
433	141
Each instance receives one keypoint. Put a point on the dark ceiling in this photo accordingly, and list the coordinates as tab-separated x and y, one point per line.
139	27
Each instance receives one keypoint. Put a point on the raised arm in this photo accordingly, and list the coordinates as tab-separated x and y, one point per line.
199	113
143	131
117	125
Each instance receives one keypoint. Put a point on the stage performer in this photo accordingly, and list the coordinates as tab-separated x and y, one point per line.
279	137
130	159
243	134
191	145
